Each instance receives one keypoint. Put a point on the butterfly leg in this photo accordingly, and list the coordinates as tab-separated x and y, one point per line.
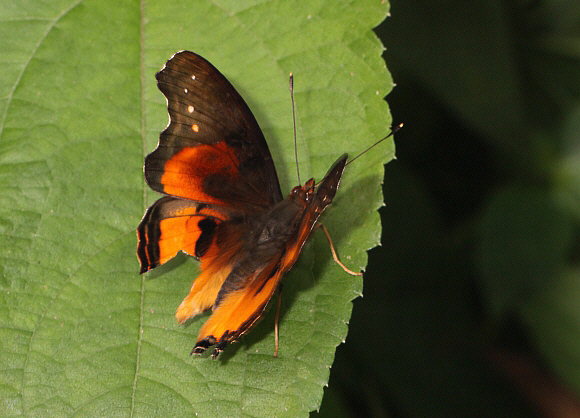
334	255
276	328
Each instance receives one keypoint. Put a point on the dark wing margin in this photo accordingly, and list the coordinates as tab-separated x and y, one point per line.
213	150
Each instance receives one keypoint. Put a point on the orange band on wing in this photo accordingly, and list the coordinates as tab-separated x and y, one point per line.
181	232
216	264
185	172
178	234
203	292
241	308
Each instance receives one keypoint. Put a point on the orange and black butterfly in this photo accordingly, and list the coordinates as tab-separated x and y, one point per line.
223	202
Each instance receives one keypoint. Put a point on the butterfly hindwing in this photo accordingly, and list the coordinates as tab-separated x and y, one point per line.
213	236
239	310
171	225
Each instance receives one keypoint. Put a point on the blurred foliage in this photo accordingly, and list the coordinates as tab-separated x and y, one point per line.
471	306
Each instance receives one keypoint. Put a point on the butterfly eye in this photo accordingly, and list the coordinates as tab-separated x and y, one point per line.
296	190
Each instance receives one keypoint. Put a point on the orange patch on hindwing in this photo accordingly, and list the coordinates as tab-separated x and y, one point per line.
216	265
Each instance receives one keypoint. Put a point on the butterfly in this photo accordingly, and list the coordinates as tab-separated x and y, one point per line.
223	203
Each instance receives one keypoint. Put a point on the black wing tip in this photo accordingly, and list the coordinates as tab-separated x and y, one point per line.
201	346
338	167
341	159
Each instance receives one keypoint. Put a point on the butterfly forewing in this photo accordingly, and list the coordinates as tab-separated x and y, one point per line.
213	150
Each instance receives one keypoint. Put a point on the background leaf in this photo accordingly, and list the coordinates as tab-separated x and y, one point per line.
82	332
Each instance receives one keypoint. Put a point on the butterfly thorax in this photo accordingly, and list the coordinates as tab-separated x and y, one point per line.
278	223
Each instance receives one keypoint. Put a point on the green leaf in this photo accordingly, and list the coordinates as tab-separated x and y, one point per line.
82	332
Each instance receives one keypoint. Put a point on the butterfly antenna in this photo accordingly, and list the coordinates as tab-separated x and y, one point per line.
376	143
369	148
294	122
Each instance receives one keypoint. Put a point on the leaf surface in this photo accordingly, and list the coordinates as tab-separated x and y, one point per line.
82	332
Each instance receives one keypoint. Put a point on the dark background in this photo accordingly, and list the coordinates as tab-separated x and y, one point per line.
481	221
